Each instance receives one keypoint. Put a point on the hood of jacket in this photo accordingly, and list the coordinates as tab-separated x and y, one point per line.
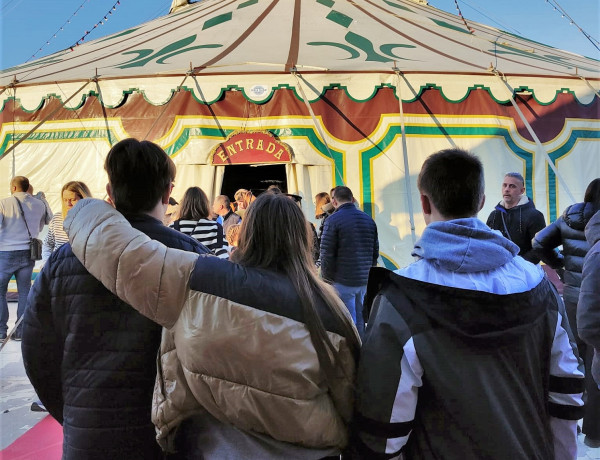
592	229
524	202
578	215
457	245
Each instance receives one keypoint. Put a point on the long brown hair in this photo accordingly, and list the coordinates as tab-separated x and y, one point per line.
275	235
194	205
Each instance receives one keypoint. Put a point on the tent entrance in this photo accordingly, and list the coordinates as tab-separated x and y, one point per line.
256	178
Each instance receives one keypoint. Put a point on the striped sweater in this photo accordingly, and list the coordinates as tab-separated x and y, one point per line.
55	237
206	231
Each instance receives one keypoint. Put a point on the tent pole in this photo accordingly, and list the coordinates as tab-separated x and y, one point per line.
314	118
540	147
45	119
100	100
411	216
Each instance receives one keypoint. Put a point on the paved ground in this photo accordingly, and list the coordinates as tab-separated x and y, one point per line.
16	396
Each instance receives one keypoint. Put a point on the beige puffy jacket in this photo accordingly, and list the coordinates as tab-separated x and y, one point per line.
235	344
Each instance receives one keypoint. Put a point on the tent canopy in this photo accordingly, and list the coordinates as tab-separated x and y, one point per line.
255	45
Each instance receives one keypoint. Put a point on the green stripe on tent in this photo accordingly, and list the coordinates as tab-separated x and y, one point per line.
367	156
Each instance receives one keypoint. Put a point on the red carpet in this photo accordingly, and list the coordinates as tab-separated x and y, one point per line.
42	442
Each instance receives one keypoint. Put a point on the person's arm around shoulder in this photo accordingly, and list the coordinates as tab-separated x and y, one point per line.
143	272
41	347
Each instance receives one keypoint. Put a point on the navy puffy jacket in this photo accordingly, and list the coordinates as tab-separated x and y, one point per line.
92	358
349	246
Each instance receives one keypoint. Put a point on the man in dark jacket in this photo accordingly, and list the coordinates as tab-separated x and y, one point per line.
468	353
349	248
90	357
516	217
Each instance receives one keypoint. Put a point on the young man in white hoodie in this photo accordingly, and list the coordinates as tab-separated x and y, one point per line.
468	353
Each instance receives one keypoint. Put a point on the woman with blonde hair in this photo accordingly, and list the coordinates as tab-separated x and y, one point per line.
258	359
194	220
70	194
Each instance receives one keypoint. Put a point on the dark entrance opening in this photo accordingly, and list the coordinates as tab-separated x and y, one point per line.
255	178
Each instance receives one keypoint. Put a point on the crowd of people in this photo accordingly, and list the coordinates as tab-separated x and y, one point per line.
185	330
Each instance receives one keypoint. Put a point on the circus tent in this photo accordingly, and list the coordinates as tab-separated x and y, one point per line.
359	92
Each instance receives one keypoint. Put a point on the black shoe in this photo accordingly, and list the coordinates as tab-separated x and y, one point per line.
17	335
2	336
593	443
37	406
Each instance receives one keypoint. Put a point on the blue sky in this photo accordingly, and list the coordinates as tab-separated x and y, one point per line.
27	25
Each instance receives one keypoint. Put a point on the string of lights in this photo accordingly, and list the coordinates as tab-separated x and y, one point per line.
469	28
68	21
559	9
98	24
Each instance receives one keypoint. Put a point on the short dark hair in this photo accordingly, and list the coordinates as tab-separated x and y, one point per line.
592	193
342	194
139	173
517	176
453	181
21	182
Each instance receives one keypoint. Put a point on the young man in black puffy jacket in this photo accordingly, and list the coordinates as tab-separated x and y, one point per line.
90	357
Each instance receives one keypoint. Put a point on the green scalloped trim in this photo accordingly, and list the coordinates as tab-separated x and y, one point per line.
330	86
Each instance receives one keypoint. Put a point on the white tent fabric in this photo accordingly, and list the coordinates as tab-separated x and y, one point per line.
352	43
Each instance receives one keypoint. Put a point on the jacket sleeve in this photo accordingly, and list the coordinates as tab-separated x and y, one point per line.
142	272
546	241
41	346
534	225
376	248
328	251
48	244
389	377
588	308
565	391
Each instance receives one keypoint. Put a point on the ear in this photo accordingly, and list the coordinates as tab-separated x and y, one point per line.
167	194
482	203
109	193
425	204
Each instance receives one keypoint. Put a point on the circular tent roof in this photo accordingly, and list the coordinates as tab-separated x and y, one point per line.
256	45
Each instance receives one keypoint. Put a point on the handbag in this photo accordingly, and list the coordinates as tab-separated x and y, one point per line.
35	245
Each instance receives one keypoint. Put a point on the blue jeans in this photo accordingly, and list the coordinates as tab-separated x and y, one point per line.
353	297
14	263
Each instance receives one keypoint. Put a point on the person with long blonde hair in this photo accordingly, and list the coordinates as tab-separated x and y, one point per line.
258	357
70	194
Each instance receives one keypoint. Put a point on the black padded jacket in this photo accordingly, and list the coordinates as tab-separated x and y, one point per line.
92	358
567	230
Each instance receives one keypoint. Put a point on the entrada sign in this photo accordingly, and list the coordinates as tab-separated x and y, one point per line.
250	147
